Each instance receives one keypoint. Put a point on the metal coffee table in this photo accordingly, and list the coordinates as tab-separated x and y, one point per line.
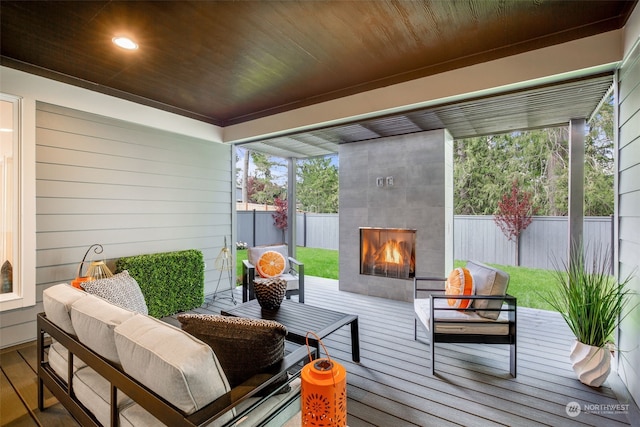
301	318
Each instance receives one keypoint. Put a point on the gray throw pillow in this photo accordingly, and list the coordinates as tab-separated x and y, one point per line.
244	347
120	289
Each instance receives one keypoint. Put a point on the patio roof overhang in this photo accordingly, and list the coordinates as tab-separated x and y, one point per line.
535	106
231	63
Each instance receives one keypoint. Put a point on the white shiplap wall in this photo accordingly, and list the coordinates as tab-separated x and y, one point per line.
629	215
134	189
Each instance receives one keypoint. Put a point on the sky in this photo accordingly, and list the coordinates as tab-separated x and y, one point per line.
280	172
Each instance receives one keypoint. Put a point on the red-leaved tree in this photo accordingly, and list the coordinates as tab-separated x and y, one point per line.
280	218
514	214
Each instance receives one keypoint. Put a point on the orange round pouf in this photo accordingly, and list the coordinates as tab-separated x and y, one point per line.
460	282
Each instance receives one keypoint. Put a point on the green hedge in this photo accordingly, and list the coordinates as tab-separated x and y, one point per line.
170	282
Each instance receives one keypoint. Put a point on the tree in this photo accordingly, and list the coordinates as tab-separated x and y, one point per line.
483	168
280	217
262	187
514	215
539	159
599	164
317	189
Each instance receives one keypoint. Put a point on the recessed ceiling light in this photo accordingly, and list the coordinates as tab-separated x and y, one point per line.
125	42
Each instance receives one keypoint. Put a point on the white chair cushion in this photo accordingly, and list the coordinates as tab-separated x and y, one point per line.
454	321
94	320
177	366
292	281
488	281
57	301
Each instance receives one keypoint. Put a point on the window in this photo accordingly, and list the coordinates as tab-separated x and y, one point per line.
17	266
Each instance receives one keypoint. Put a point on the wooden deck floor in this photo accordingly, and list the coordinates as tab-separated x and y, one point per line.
392	387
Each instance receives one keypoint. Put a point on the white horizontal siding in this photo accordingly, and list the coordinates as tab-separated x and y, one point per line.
131	188
629	215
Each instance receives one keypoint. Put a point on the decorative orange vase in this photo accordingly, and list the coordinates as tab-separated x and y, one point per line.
76	283
324	394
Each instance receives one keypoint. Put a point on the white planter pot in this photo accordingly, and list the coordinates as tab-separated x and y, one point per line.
591	364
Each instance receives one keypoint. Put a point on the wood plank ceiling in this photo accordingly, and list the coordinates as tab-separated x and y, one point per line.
228	62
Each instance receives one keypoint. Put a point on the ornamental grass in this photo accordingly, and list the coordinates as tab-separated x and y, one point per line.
588	296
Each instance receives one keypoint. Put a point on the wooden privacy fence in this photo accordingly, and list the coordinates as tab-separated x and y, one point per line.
475	237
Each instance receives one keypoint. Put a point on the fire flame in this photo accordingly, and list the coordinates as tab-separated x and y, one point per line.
392	253
387	256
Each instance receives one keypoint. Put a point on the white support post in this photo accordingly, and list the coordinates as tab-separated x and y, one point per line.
291	206
577	134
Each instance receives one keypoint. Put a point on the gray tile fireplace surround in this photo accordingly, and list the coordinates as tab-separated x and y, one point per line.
397	182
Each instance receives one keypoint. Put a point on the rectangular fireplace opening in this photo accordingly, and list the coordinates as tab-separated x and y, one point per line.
388	252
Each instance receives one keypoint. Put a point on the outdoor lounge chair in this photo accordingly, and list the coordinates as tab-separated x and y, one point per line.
486	321
293	272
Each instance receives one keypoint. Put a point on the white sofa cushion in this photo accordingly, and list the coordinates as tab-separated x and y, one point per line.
260	413
57	301
94	320
488	281
177	366
458	322
94	392
58	357
135	416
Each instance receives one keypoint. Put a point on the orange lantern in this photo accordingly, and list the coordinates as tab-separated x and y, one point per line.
324	393
97	269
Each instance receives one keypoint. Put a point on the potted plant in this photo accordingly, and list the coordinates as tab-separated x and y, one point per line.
592	302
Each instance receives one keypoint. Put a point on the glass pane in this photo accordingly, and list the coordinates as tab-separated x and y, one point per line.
7	186
388	252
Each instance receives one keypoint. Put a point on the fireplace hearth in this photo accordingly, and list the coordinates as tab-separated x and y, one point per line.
388	252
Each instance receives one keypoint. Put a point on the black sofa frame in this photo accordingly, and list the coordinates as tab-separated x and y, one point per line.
121	382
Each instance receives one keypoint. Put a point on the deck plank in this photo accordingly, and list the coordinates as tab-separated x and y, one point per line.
473	377
24	380
392	385
12	410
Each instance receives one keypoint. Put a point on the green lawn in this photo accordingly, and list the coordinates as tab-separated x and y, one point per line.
317	262
525	283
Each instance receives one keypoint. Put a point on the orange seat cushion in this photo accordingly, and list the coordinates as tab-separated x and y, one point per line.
459	282
270	264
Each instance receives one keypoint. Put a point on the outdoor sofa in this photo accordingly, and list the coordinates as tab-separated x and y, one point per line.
111	366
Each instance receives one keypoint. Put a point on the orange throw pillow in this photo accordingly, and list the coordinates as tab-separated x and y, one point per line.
270	264
460	282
